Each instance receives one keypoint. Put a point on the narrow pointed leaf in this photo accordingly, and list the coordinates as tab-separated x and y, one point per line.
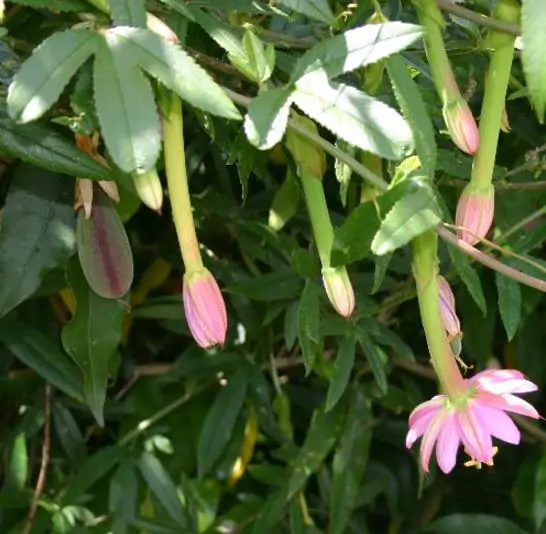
342	372
309	324
43	77
355	117
41	355
162	486
374	359
92	336
509	300
220	421
37	233
174	68
356	48
415	112
126	109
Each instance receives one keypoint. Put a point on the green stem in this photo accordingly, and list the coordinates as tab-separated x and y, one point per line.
318	213
425	271
177	182
494	97
431	19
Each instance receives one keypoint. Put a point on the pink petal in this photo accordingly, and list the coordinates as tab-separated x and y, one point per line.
429	439
448	443
475	434
508	403
501	381
498	423
430	406
419	426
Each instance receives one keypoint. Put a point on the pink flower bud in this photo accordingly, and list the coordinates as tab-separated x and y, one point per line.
204	308
339	290
447	307
475	212
461	125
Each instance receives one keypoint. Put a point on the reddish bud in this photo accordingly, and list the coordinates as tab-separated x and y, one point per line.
104	249
475	212
461	125
447	307
339	290
204	308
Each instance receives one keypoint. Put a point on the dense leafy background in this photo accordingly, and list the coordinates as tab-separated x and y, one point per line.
297	424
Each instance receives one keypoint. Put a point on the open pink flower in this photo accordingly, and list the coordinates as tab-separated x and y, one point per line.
479	416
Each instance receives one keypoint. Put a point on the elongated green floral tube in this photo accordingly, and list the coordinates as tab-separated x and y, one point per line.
477	203
457	115
311	165
204	306
425	272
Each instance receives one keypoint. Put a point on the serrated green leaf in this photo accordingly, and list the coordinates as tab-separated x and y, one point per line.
92	336
350	462
356	48
267	117
258	62
314	9
473	524
162	486
409	217
104	250
37	232
126	108
44	147
374	358
341	372
415	111
381	265
44	75
55	5
41	355
352	115
309	324
128	12
533	55
173	68
469	276
509	300
220	421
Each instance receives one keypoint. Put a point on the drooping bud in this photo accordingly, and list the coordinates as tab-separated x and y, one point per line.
104	250
339	290
461	125
475	212
204	308
447	307
149	189
160	28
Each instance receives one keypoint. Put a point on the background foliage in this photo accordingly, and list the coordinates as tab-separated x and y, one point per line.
113	420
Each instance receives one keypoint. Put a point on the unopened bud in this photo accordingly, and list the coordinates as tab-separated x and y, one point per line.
475	212
149	189
339	290
204	308
447	307
160	28
461	125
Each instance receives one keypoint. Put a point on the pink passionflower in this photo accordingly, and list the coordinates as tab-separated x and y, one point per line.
478	417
